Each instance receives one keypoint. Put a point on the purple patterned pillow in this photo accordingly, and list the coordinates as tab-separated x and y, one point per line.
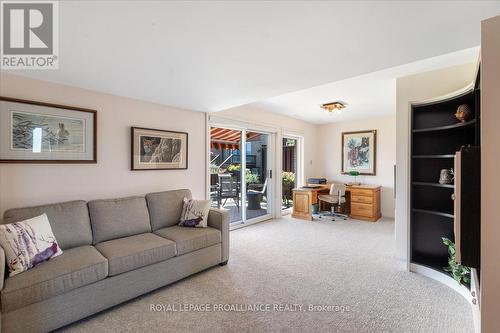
195	213
28	243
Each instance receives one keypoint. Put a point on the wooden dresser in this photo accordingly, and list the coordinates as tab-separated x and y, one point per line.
363	201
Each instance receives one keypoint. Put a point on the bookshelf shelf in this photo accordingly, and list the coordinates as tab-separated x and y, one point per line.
434	184
436	136
447	127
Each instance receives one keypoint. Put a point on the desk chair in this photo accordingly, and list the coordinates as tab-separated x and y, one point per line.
336	197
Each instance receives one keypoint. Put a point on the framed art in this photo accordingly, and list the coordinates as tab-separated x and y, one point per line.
154	149
37	132
359	152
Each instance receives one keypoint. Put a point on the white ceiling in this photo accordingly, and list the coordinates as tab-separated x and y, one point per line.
210	56
369	95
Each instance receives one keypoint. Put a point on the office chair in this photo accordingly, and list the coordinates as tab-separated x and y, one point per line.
336	198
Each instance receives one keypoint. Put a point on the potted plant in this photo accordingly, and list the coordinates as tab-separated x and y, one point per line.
215	169
460	273
234	168
288	183
251	178
254	196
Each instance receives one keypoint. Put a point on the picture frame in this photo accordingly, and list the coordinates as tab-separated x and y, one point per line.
359	152
39	132
156	149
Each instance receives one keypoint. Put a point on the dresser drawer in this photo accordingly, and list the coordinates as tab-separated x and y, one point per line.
361	199
361	192
361	209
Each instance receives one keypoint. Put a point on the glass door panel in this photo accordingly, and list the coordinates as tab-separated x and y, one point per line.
225	171
289	172
257	175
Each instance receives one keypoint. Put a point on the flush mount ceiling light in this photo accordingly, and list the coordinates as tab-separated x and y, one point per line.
333	107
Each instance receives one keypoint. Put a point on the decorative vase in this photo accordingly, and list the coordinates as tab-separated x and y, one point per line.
463	113
446	176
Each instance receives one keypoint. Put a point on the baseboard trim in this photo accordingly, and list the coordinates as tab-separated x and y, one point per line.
443	278
476	302
450	282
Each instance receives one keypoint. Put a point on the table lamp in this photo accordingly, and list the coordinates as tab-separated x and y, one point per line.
354	174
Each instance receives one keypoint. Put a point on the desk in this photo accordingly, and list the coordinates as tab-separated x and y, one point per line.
363	201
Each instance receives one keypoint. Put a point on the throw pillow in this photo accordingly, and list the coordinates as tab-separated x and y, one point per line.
195	213
28	243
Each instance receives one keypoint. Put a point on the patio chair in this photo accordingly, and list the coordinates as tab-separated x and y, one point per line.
214	188
255	197
228	189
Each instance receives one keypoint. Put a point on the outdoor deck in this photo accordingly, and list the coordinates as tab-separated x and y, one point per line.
235	212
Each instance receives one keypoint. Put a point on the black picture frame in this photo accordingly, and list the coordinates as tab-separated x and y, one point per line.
92	123
172	140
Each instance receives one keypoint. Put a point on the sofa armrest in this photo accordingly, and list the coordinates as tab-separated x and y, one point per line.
219	219
2	267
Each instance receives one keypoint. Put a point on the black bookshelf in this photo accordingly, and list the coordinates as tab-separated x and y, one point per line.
436	135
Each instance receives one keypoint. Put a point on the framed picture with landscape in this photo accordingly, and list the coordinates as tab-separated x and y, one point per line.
37	132
359	152
154	149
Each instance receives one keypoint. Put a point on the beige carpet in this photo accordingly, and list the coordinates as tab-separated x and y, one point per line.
350	264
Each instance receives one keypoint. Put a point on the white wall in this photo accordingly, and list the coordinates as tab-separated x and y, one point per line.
490	182
282	124
415	88
33	184
329	155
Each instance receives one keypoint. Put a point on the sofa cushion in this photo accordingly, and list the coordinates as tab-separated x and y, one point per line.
165	208
190	239
74	268
116	218
129	253
69	221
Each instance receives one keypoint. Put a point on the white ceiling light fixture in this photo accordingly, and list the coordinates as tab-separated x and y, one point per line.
334	107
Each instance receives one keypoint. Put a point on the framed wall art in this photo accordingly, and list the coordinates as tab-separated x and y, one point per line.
359	152
37	132
154	149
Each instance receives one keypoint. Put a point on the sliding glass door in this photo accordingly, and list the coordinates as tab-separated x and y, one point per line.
257	177
240	173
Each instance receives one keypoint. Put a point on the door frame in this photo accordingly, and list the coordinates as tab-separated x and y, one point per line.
299	172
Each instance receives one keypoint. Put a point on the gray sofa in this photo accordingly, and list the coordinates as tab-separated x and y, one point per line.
113	250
